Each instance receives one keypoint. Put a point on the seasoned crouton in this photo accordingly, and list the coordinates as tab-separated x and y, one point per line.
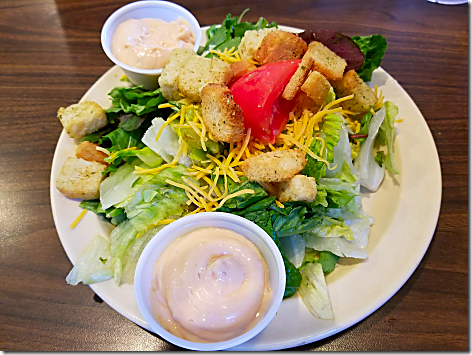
80	178
239	69
169	79
363	98
81	119
297	79
88	151
326	62
222	117
275	166
316	87
280	45
198	72
251	41
298	188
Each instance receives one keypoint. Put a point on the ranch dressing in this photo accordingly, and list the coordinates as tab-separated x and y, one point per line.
147	43
210	285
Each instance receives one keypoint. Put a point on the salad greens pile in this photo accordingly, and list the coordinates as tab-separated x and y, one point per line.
230	32
311	236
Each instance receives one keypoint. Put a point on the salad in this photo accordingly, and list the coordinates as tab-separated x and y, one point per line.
282	132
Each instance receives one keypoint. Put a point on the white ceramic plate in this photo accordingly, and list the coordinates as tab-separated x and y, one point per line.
405	209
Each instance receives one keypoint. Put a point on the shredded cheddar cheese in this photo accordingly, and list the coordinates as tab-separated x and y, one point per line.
78	219
228	55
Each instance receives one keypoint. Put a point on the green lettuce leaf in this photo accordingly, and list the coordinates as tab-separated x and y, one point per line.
135	100
119	139
145	154
156	200
374	48
230	32
386	135
327	259
329	131
338	192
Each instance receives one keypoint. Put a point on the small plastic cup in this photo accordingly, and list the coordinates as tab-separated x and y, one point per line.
185	225
162	10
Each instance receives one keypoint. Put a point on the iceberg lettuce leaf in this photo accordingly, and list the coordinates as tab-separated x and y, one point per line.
371	174
314	291
94	264
342	233
120	185
167	145
145	209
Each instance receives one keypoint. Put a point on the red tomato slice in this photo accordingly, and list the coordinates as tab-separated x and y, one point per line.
257	93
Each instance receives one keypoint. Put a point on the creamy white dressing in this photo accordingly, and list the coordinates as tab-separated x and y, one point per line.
147	43
210	285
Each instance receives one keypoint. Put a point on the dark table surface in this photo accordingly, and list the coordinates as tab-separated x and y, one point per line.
50	54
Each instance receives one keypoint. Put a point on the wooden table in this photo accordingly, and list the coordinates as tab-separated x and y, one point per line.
50	54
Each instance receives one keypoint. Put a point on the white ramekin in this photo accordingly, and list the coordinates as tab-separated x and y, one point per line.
163	10
185	225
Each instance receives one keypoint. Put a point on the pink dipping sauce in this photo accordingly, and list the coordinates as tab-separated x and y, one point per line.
210	285
147	43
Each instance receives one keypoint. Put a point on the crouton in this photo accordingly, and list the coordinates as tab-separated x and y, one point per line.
363	98
280	45
88	151
316	87
169	79
239	69
198	72
80	178
275	166
326	61
251	41
297	79
83	118
298	188
222	117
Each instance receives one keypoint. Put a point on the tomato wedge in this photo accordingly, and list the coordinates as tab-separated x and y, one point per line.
258	95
